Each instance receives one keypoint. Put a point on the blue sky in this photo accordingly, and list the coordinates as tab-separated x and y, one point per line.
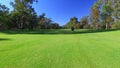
60	10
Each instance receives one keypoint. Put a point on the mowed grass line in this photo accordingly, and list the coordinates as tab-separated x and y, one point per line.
91	50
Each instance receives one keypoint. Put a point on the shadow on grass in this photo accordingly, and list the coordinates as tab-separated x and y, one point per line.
55	31
4	39
4	50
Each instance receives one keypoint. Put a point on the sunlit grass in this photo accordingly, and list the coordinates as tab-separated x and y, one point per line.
59	50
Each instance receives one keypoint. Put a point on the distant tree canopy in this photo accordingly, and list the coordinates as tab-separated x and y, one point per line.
105	14
72	23
24	17
83	23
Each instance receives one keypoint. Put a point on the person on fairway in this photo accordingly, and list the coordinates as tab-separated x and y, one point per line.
72	28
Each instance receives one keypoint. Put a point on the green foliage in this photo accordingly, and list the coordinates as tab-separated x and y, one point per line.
72	23
116	7
116	25
84	22
95	14
25	14
4	11
55	26
103	14
46	23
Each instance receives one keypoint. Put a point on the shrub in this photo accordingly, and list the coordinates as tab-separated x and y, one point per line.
116	25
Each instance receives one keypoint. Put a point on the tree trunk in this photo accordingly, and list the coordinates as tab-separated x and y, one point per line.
96	25
106	25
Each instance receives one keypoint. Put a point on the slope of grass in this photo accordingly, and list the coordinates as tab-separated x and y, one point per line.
59	50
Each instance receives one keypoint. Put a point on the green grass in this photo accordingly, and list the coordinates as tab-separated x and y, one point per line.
60	49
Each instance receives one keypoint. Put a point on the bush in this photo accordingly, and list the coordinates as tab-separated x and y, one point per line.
116	25
86	26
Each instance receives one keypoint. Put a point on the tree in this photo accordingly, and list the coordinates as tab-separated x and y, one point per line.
41	19
4	11
24	10
106	14
116	10
84	22
32	21
95	15
55	26
44	22
72	23
116	25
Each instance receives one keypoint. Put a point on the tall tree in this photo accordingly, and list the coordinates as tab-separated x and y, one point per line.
4	11
95	12
54	25
72	23
116	8
106	13
84	22
41	19
44	22
24	9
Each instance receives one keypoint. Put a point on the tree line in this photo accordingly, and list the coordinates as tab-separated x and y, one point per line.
24	17
105	14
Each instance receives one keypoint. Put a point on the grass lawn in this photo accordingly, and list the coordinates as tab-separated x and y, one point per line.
59	49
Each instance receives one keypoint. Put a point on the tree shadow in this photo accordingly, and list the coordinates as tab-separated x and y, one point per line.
4	39
55	31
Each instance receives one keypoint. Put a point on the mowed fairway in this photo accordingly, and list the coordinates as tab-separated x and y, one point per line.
59	50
